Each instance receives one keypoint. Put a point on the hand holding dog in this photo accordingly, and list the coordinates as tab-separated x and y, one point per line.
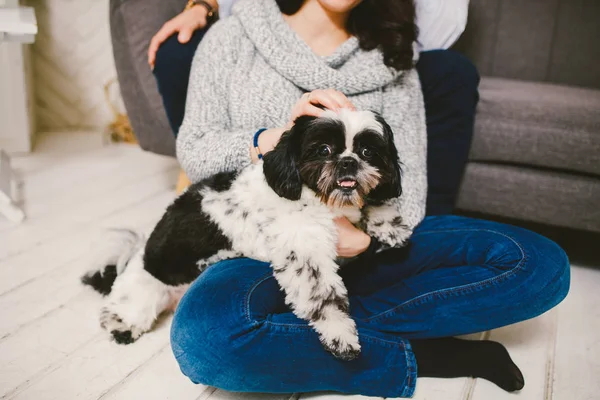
351	240
309	104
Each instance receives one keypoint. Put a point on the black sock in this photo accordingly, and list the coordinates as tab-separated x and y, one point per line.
452	358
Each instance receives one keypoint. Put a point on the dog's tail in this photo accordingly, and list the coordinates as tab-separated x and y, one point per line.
110	256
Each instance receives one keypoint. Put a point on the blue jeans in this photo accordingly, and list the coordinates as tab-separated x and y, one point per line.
233	330
449	82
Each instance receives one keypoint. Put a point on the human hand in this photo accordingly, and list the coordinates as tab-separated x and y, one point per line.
351	240
309	103
185	23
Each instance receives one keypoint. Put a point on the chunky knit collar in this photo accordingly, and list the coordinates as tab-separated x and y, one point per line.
285	51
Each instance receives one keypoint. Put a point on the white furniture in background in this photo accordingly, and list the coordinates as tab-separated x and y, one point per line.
7	207
17	26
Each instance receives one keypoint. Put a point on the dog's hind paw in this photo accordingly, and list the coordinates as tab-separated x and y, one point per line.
124	337
101	281
120	331
342	351
338	334
343	345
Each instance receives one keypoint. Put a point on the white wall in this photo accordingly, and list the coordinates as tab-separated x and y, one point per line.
72	60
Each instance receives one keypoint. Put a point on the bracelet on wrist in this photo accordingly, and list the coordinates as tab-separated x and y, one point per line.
255	143
212	14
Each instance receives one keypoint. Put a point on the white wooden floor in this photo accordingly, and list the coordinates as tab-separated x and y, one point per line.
51	346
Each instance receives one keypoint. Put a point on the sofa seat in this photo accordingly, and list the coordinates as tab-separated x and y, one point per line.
532	194
538	124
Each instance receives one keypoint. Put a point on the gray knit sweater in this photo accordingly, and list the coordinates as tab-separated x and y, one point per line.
250	70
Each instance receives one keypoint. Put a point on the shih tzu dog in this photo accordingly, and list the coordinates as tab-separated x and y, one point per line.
280	211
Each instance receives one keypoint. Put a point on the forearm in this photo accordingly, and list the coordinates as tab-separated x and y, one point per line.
208	142
226	151
203	153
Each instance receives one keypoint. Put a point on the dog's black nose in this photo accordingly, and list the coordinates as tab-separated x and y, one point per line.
348	163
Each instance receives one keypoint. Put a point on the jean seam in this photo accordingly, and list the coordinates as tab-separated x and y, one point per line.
456	289
410	371
249	295
369	338
295	326
365	337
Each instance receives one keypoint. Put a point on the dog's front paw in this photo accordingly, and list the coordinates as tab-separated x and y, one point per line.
401	236
120	331
389	234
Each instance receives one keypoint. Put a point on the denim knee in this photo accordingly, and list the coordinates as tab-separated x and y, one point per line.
166	55
464	72
450	68
548	272
537	267
542	265
210	316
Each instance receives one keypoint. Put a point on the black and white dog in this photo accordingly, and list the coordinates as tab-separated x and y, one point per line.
280	211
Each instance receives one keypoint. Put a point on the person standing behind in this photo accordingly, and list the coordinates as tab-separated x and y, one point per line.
449	82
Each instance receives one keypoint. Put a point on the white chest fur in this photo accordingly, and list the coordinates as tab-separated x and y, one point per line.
259	222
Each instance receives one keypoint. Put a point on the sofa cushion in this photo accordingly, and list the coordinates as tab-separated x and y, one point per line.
548	197
132	25
543	125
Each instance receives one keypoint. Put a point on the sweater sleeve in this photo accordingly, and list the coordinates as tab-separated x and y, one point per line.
403	109
207	143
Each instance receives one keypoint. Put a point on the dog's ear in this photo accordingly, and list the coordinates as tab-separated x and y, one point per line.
392	187
281	166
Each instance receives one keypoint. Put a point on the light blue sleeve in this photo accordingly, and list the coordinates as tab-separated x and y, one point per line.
225	7
441	22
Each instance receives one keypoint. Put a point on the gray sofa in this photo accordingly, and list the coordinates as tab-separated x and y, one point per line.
536	150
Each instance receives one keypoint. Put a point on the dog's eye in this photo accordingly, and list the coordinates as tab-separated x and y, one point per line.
324	150
366	152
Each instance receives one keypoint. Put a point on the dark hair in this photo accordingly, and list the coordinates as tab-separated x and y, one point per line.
388	25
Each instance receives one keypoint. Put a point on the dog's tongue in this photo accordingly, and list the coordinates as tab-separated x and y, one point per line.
347	183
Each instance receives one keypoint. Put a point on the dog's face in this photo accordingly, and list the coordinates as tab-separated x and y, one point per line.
348	159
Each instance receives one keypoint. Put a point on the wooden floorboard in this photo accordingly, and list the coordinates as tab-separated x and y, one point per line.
27	236
44	344
98	366
61	249
577	363
158	379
